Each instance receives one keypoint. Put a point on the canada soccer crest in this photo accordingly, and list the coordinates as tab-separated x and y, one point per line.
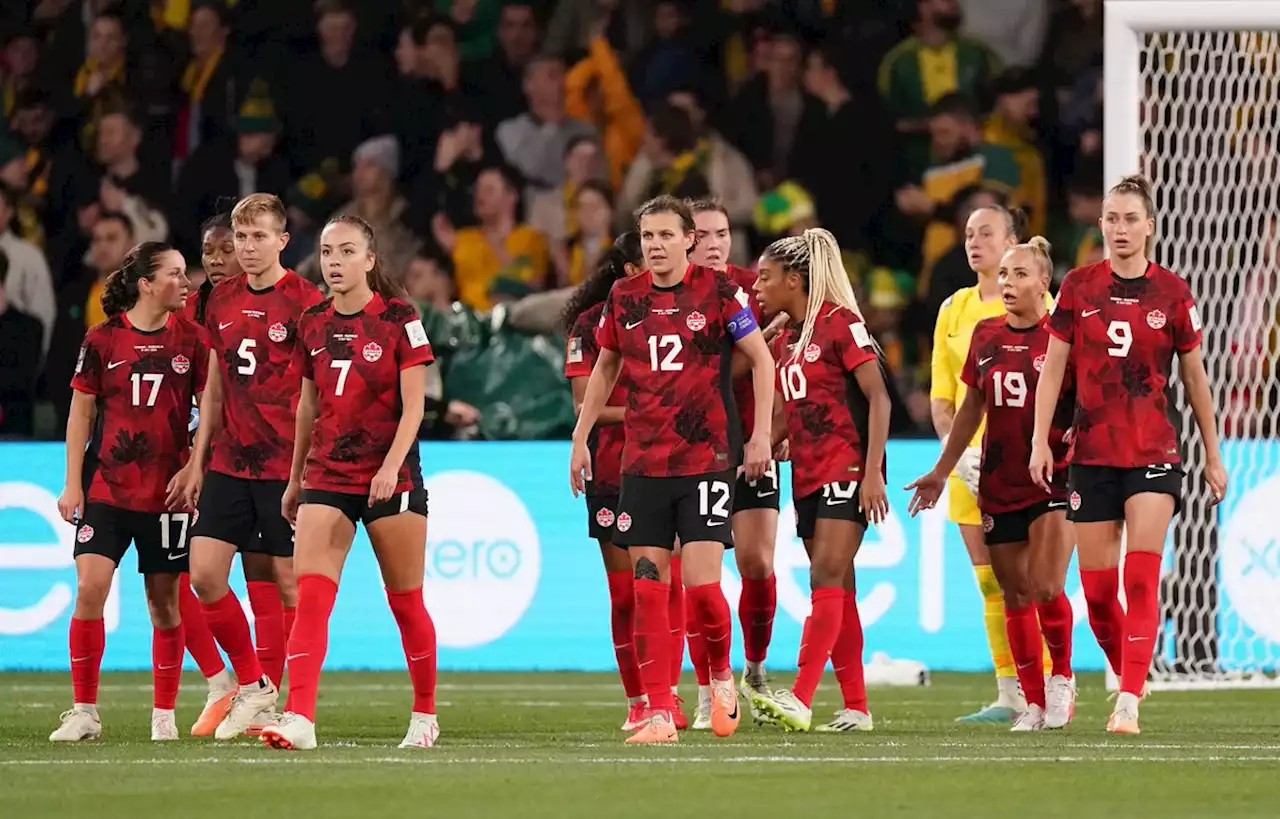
988	523
812	353
1038	363
85	534
1156	319
277	332
624	522
1075	501
180	364
604	517
371	352
695	321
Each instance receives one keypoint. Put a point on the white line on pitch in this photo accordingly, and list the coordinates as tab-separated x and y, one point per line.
672	760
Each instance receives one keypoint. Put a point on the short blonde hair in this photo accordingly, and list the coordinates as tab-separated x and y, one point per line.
248	209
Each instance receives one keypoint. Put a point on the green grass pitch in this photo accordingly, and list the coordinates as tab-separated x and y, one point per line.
548	745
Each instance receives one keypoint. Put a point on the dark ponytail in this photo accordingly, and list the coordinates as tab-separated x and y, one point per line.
120	293
379	281
611	268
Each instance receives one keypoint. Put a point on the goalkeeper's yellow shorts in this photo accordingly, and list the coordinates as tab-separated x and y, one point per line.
962	506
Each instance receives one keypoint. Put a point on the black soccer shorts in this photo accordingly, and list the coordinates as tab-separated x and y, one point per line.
160	537
1098	493
245	513
655	511
356	505
1014	526
602	514
761	493
837	500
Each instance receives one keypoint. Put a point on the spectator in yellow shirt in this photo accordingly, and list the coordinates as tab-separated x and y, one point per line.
596	91
498	254
1012	124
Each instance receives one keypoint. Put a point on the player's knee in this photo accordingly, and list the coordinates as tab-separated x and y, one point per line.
257	567
286	581
1046	589
753	564
91	597
164	611
209	586
646	569
823	576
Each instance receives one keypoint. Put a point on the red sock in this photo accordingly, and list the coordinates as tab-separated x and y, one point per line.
697	646
1025	647
290	614
309	642
676	619
846	656
756	608
716	624
166	665
268	627
622	615
1142	620
653	641
231	629
1056	622
418	635
821	631
200	643
87	640
1106	616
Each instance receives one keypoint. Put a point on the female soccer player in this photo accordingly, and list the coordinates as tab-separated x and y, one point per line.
755	503
832	394
989	233
581	317
1119	322
126	437
669	332
364	355
1026	532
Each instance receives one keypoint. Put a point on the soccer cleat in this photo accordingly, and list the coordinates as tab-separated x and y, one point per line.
657	728
786	709
262	719
677	714
1124	719
248	702
754	684
1031	719
1060	698
847	719
77	724
702	716
635	715
724	708
164	726
292	732
216	706
423	732
994	713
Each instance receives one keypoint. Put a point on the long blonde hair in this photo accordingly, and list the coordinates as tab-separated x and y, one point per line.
815	256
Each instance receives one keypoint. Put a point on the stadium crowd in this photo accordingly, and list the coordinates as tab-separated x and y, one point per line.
498	146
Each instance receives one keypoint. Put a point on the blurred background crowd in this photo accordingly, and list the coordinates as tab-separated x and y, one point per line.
497	146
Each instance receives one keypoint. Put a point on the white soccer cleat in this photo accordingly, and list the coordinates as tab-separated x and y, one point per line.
424	730
164	726
78	724
755	684
1060	699
702	716
248	702
292	732
1031	719
267	716
786	709
847	719
1124	719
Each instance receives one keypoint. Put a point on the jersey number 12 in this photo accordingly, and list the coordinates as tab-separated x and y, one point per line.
669	346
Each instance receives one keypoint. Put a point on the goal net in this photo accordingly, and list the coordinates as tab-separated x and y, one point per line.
1208	136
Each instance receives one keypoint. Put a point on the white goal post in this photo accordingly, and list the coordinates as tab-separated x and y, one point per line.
1192	100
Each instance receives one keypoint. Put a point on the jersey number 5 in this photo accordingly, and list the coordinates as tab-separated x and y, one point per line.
1011	389
1122	334
669	346
245	351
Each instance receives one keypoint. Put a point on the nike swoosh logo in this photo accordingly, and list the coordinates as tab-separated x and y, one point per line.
317	351
178	556
166	667
952	335
80	659
114	364
765	494
1087	313
419	659
1053	505
1156	474
297	656
634	326
982	362
717	522
837	501
734	715
222	325
1137	639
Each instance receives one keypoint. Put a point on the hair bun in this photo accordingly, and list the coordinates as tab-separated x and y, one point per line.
1135	183
1041	244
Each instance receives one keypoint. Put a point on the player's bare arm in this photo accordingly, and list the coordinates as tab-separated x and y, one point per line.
84	408
305	420
413	390
760	447
874	498
942	411
604	375
1047	392
608	415
175	496
190	479
741	365
928	487
1196	382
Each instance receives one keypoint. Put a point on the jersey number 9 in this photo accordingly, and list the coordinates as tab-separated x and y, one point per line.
1122	334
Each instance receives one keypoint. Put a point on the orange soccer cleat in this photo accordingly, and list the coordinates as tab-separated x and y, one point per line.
215	711
724	708
657	728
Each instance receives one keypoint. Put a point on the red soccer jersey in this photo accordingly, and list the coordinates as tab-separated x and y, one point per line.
254	333
676	345
144	382
827	414
1124	333
743	391
1004	366
356	363
606	439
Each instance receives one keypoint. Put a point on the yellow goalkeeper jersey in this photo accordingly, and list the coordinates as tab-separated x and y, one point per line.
959	314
